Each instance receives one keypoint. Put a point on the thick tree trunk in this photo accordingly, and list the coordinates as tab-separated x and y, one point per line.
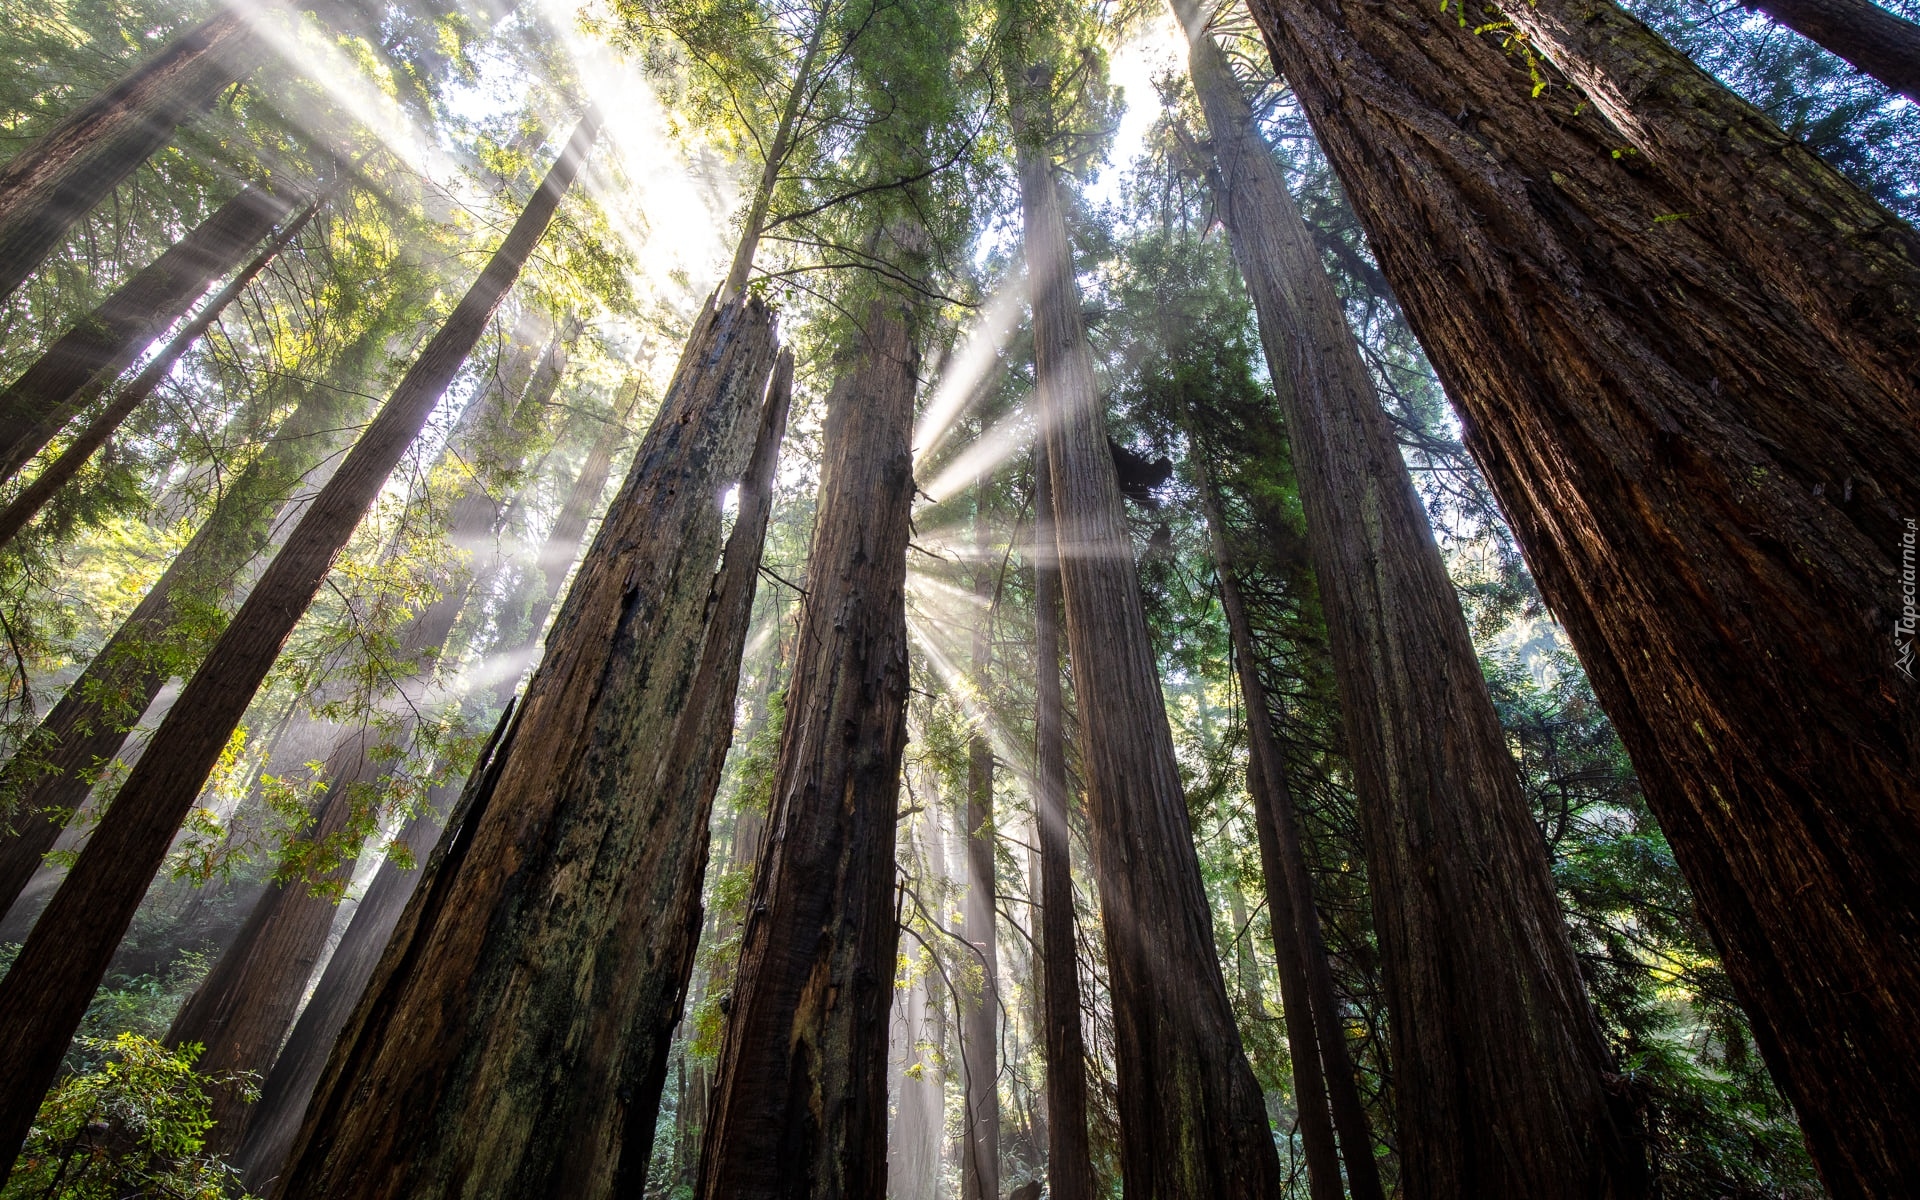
1500	1071
49	777
1290	904
1069	1160
980	1148
800	1090
1192	1119
75	165
1874	40
515	1037
1690	373
242	1010
85	359
32	498
45	994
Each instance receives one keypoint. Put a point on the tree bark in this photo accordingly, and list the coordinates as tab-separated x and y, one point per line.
1500	1071
980	1148
515	1037
1192	1118
46	992
75	165
85	359
31	499
1290	903
49	776
1069	1160
244	1007
1875	41
800	1089
1690	374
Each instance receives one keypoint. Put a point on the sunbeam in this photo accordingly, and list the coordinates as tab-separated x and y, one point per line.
967	368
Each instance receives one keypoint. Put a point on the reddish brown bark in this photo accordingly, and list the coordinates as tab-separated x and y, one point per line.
515	1036
1689	371
1500	1072
1315	1028
87	357
1069	1161
73	166
1874	40
800	1090
1192	1119
32	498
46	992
50	775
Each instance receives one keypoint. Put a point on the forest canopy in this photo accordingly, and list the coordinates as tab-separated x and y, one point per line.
920	599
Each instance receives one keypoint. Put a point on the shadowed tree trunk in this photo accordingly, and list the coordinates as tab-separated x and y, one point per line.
85	359
49	777
47	990
515	1037
1069	1161
1298	946
243	1008
1500	1071
32	498
1690	374
75	165
1880	43
800	1089
1192	1118
980	1149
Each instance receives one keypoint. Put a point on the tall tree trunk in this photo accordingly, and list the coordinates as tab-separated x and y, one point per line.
1869	37
243	1008
85	359
75	165
1690	374
980	1152
46	992
1069	1160
1192	1118
1319	1031
800	1089
1500	1070
554	940
49	776
32	498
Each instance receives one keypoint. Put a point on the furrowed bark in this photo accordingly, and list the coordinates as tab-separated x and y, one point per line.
1069	1161
1500	1072
243	1008
1192	1119
800	1090
75	165
980	1141
1689	371
514	1039
85	359
32	498
1298	946
47	990
1875	41
49	777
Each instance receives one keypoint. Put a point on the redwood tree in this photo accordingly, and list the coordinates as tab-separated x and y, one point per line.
46	991
552	938
1684	353
1500	1070
1192	1118
980	1049
86	358
800	1090
1883	44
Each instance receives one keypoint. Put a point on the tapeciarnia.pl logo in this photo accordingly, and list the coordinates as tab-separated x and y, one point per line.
1909	618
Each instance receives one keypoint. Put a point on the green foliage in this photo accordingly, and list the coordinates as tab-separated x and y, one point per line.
133	1125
